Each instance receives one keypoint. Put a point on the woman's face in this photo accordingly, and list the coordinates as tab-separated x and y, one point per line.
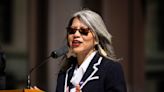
80	37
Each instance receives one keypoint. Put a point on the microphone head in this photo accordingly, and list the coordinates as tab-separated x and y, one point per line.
59	52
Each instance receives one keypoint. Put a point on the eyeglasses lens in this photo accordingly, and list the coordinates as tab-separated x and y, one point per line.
83	31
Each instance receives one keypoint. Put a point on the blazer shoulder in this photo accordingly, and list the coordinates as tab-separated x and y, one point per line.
113	75
110	64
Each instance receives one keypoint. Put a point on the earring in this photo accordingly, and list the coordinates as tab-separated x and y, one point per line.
96	43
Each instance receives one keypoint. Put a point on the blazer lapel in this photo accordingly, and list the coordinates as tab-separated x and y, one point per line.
69	74
91	70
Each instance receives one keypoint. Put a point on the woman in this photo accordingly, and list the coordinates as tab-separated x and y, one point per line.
92	65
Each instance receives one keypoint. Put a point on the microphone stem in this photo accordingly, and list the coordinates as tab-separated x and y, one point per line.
32	69
28	82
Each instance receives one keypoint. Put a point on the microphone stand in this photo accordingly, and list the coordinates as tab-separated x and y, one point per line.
35	68
55	54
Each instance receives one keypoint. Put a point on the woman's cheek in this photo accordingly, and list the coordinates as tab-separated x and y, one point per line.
69	42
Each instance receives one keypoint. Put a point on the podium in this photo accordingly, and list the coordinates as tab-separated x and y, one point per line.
23	90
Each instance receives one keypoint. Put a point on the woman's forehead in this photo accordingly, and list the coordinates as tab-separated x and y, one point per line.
78	22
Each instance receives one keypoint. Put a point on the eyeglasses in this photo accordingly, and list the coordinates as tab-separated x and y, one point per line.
82	31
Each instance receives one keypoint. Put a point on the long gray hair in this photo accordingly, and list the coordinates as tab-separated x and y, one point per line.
99	30
102	36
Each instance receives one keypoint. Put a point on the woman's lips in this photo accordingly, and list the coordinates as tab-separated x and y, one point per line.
76	43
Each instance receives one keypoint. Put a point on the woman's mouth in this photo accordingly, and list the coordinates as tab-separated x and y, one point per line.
76	43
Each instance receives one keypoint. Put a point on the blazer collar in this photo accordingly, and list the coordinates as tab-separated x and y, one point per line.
91	70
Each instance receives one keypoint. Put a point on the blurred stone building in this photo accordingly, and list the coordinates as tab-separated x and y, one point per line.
31	29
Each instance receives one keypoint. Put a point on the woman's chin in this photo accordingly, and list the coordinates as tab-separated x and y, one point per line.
77	50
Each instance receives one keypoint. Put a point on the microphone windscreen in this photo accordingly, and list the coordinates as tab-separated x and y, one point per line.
59	52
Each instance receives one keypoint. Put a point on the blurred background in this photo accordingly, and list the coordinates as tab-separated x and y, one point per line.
31	29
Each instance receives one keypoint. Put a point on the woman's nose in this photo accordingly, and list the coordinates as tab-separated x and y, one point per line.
77	34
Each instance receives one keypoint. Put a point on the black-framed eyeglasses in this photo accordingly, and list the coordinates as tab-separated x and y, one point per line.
82	31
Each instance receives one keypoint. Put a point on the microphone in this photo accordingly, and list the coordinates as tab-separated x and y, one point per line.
59	52
55	54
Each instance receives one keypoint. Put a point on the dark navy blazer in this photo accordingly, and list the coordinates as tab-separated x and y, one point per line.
102	75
